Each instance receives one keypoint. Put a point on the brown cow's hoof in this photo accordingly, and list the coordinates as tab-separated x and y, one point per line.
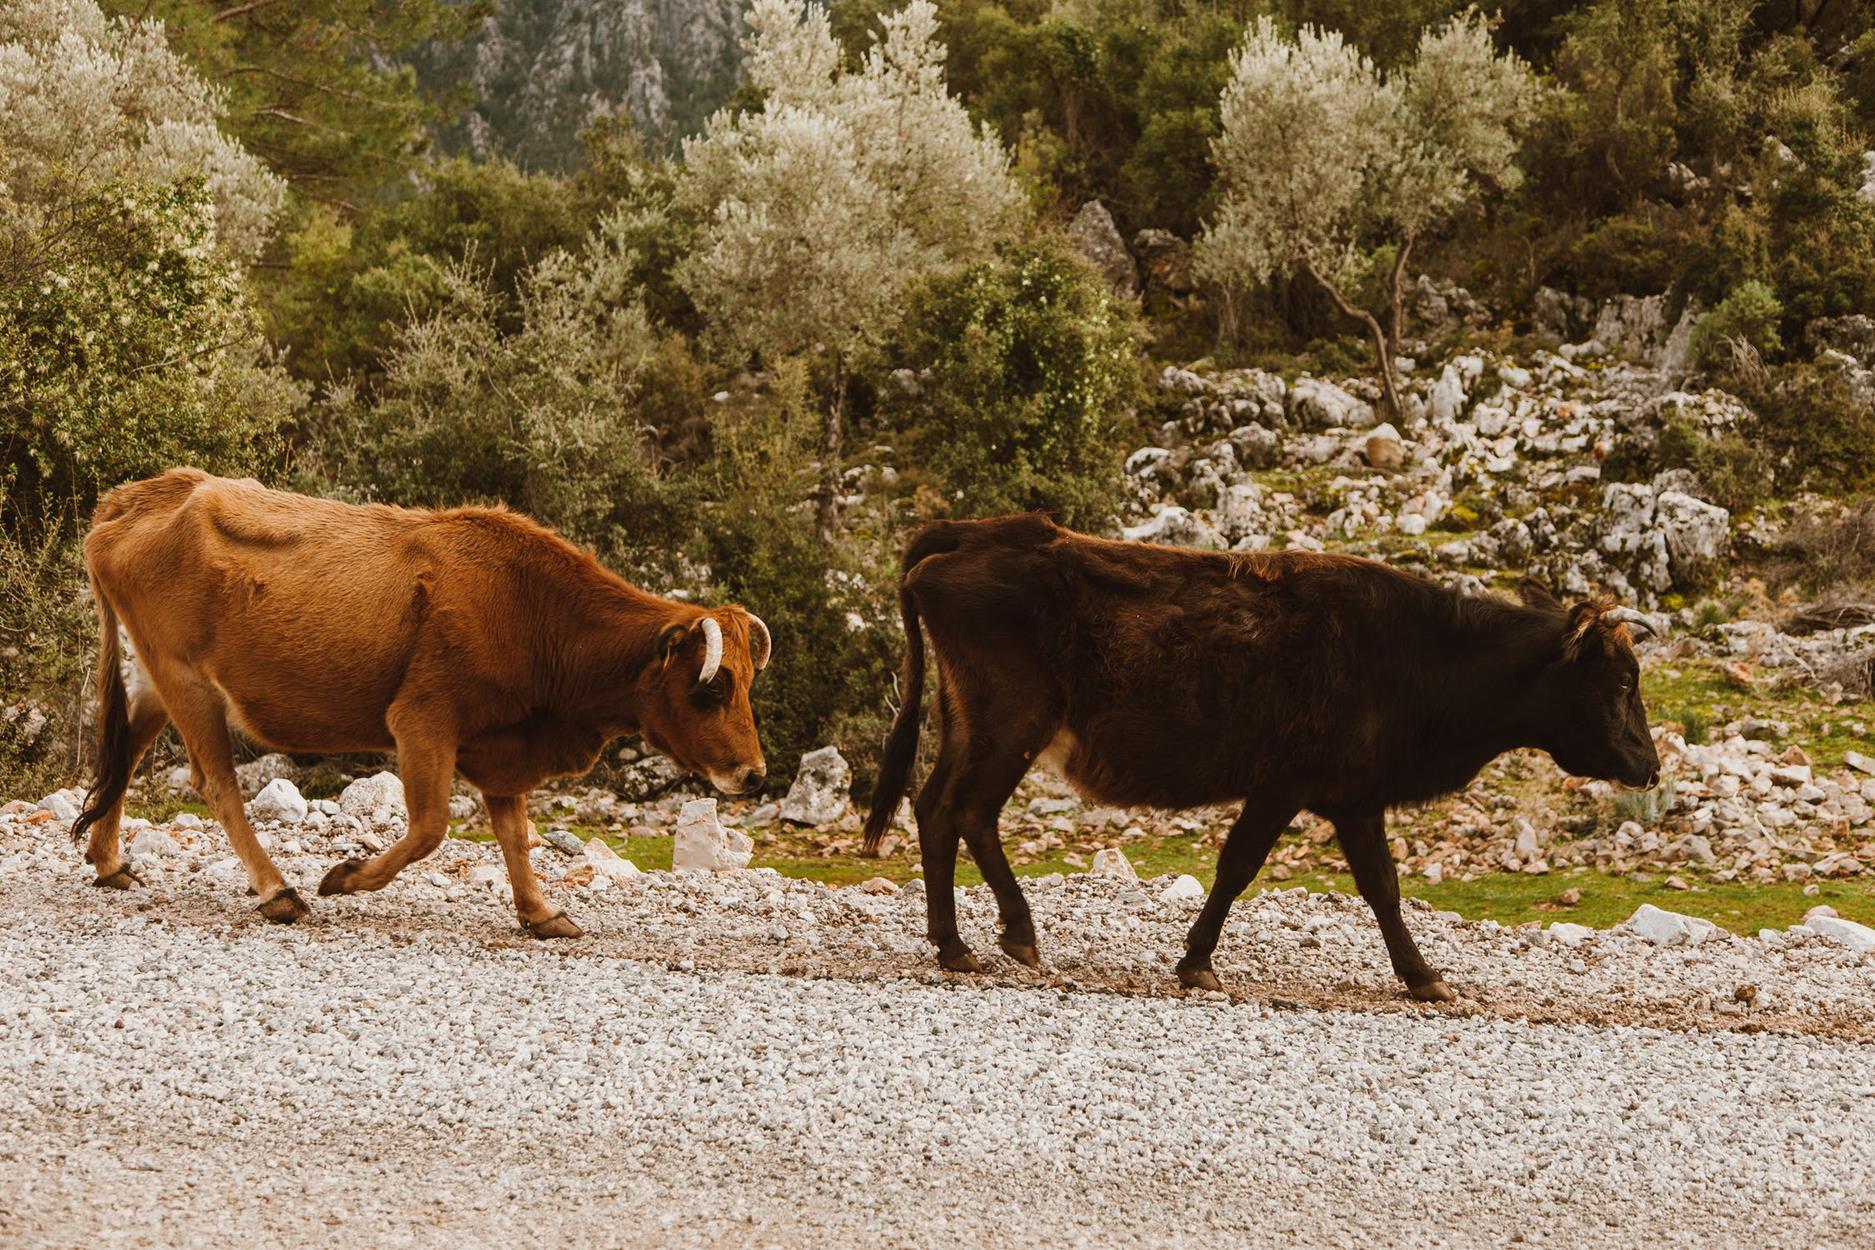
1199	979
1433	991
284	907
1022	952
558	925
122	879
339	879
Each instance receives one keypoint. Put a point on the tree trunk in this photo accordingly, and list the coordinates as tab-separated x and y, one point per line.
1389	379
1396	287
832	436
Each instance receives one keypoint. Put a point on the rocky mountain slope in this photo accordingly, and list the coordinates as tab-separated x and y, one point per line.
538	71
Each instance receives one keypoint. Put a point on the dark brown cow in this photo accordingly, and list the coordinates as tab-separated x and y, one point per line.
1172	678
470	641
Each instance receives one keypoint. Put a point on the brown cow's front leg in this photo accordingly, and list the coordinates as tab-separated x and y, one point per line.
508	815
1364	842
426	767
1247	845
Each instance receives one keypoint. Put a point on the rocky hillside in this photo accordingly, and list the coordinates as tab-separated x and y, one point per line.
540	70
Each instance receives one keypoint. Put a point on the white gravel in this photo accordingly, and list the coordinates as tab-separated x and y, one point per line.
406	1071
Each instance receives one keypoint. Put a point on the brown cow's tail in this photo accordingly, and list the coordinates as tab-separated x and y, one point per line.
901	747
113	775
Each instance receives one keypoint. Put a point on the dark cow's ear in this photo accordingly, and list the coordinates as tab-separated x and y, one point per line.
669	640
1536	595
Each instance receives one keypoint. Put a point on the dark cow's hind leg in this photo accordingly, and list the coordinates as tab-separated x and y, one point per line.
1364	842
1247	845
962	799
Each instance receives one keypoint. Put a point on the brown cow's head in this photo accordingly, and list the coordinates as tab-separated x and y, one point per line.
1590	700
697	707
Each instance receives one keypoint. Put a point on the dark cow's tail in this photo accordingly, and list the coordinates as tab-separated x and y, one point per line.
901	746
113	769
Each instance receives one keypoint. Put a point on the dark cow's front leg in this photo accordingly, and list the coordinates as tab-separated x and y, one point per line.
1247	845
1364	842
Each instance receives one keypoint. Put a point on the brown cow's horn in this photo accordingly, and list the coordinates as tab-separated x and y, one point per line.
760	644
712	649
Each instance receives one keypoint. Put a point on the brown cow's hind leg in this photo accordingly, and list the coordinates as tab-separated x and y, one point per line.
1247	845
426	767
104	851
1364	842
508	814
201	718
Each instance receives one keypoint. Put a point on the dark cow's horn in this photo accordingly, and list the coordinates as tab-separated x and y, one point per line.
712	649
1632	619
760	644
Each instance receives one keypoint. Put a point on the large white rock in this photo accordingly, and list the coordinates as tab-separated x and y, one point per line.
1183	892
1669	928
1317	403
818	795
1568	933
609	863
278	800
701	844
1111	861
376	800
1447	399
255	774
1855	936
63	804
1697	532
153	842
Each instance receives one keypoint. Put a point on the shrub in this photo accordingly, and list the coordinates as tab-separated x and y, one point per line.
1023	371
1812	425
1748	314
834	651
48	635
542	418
1735	469
129	348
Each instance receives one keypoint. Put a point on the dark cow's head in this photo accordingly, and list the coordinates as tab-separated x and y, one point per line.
697	710
1588	703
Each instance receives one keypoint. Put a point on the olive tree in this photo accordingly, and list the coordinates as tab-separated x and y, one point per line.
819	211
1330	169
127	221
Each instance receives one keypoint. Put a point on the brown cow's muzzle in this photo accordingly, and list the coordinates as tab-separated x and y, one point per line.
745	780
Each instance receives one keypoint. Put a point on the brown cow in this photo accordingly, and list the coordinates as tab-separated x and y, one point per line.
1172	678
469	640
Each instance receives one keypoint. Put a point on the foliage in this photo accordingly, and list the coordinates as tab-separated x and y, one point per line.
835	649
1748	315
540	417
1022	370
1324	161
127	343
351	280
1812	425
47	637
131	349
819	210
88	102
317	88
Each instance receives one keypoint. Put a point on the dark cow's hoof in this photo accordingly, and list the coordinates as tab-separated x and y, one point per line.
339	879
284	907
558	925
956	957
1199	979
1022	952
122	879
1433	991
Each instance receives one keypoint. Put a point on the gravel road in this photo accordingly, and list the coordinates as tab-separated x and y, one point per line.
402	1070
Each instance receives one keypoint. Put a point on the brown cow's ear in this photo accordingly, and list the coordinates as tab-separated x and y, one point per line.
668	641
